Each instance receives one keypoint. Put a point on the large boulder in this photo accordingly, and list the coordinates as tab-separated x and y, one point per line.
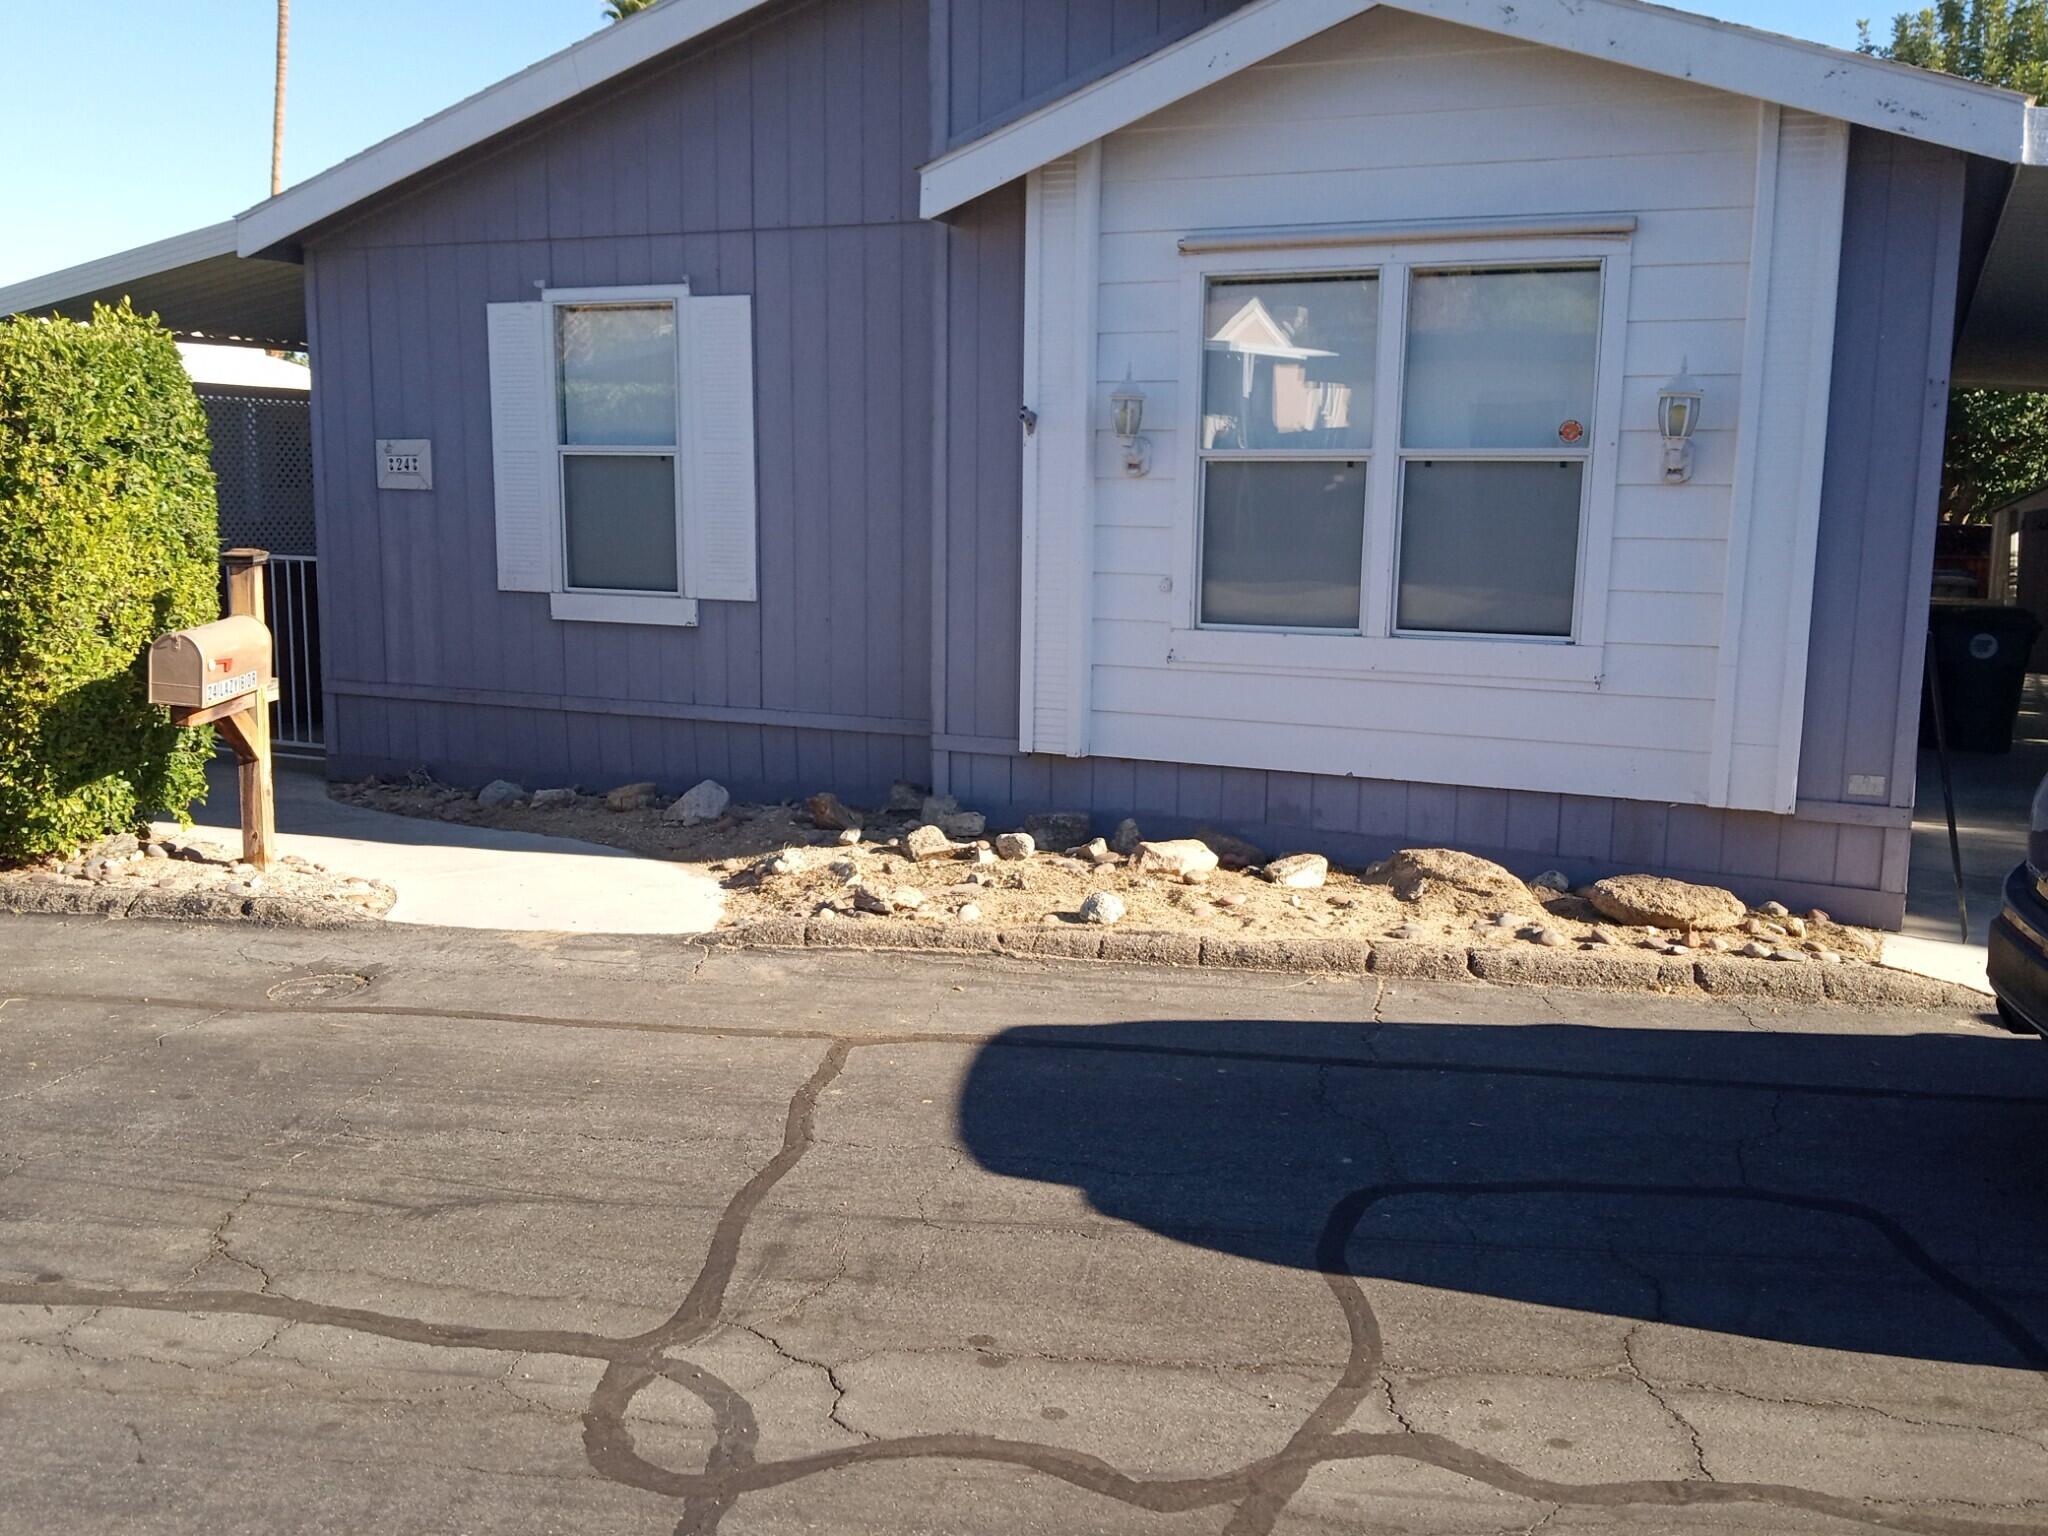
631	797
1299	871
1656	901
1059	829
927	843
499	792
1418	872
1232	852
1187	859
701	803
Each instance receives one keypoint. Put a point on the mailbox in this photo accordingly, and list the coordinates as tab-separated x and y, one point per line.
210	664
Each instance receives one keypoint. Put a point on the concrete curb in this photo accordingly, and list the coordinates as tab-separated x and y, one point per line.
1715	975
39	896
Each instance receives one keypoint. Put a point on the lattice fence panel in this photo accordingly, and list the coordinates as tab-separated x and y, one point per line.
263	463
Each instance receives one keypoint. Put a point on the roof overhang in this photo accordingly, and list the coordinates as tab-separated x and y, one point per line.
601	57
1856	88
195	283
2003	343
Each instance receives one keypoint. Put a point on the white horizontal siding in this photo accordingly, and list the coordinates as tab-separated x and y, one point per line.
1389	118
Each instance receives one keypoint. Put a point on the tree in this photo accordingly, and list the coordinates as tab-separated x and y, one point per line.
284	30
1997	439
619	10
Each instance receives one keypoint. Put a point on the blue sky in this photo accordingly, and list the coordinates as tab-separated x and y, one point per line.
128	120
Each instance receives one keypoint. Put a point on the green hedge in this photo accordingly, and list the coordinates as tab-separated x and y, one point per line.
108	539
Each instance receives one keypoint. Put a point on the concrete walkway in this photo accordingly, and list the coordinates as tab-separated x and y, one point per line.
448	875
1994	794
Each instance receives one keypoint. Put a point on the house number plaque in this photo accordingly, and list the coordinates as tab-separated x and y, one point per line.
405	464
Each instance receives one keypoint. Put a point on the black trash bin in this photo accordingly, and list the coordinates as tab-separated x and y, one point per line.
1980	651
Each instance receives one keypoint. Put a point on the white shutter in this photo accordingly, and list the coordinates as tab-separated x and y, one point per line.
523	448
718	420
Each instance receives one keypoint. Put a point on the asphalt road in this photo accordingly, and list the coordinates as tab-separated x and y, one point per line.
421	1231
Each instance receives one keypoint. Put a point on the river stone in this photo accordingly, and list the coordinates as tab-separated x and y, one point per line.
1299	871
1187	859
1015	845
1413	870
1658	901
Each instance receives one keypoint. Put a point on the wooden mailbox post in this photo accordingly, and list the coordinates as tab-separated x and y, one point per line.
221	674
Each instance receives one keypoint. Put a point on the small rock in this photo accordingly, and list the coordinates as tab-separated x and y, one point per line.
1015	845
1187	859
1104	907
1406	931
631	797
1827	957
156	851
976	877
245	870
1754	951
844	869
702	802
1552	880
120	845
1233	900
1676	949
253	883
1127	837
777	864
1550	938
984	856
1818	916
928	842
849	837
552	799
971	913
1051	919
829	813
887	899
1059	829
1719	945
905	798
1603	936
1094	851
1232	852
1507	920
1775	909
1299	871
500	792
1787	954
1662	902
1795	926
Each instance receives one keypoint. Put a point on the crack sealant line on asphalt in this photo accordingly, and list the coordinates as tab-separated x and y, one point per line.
1260	1490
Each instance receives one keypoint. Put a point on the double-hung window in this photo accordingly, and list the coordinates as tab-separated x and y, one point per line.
1405	447
623	451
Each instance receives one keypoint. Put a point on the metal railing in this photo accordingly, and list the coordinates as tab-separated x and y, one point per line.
291	597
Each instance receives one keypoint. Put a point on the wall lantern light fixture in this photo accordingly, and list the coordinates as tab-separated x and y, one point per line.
1128	404
1678	417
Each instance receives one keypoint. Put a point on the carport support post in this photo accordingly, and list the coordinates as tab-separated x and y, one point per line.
248	730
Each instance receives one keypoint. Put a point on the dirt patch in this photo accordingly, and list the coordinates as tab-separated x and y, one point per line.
775	864
192	877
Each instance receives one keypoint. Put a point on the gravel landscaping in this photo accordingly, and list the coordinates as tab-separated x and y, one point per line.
191	877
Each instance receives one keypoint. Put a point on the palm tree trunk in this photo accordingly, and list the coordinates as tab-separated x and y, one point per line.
284	27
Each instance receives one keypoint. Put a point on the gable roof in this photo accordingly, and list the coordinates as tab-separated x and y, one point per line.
1857	88
539	88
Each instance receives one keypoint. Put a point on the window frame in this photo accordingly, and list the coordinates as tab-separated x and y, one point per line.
1377	647
643	604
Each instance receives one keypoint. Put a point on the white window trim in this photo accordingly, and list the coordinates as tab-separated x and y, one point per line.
1377	649
620	606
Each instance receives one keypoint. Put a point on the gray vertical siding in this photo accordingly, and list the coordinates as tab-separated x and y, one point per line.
999	59
1877	519
777	161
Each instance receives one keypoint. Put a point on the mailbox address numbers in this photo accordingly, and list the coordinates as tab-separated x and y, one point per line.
223	689
405	464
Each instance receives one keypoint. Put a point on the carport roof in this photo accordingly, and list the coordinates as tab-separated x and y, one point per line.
195	281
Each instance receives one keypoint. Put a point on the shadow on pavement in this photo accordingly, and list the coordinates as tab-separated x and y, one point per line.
1879	1194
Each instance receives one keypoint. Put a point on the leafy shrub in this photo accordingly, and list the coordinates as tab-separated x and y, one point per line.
108	539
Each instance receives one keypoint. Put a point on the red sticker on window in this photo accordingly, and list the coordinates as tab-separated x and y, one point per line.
1571	432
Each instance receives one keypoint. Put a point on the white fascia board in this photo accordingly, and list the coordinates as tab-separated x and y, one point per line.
1831	82
538	88
1219	50
34	293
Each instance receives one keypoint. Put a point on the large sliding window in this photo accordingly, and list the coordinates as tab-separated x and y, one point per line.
1401	449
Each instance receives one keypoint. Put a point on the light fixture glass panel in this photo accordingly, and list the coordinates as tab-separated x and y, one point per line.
1289	362
1281	543
1501	358
620	513
1489	548
616	364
